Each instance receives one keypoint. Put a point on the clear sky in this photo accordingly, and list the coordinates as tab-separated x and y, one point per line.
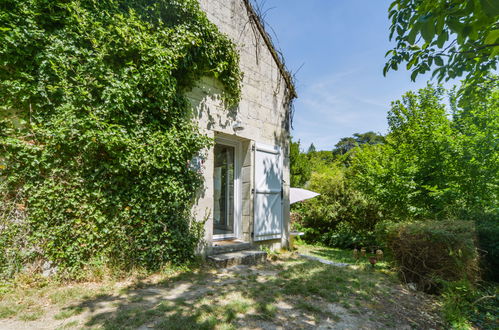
341	44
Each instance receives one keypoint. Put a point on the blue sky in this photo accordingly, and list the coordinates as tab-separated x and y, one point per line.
341	44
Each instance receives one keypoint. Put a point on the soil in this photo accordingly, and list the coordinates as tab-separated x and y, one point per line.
401	308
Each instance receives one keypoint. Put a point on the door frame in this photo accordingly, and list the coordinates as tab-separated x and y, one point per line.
237	189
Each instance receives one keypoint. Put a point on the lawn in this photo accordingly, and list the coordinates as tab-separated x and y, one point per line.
288	291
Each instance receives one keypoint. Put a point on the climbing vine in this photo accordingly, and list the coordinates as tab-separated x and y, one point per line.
96	131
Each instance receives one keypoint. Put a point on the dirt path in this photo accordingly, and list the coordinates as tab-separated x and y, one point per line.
290	293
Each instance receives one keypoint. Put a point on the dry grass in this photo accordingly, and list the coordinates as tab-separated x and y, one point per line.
290	291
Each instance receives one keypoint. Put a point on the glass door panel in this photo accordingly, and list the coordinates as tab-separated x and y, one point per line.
224	176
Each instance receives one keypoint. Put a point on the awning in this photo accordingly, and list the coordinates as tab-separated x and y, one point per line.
299	194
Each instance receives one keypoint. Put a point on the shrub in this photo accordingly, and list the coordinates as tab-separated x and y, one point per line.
469	306
345	237
340	216
428	252
488	241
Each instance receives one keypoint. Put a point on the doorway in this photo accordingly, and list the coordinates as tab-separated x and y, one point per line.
225	192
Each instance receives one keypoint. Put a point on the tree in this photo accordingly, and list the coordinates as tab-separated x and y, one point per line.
311	149
475	120
348	143
299	167
345	145
449	37
434	165
369	138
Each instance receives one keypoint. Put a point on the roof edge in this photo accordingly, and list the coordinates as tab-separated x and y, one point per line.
270	45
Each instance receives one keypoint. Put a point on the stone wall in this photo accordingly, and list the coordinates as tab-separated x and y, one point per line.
262	111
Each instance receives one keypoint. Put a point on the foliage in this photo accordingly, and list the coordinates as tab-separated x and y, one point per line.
344	236
340	216
345	145
299	166
436	163
407	174
487	228
96	130
432	166
348	143
475	121
466	306
428	252
377	172
311	149
448	37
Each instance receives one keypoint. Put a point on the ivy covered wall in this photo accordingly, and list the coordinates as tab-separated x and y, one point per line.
96	131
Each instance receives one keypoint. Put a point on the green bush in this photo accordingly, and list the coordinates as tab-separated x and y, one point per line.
96	132
345	237
487	228
340	216
429	252
466	306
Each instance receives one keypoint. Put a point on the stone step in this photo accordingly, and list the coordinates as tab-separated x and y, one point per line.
246	257
232	247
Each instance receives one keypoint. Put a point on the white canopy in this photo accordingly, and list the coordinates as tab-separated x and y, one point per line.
298	195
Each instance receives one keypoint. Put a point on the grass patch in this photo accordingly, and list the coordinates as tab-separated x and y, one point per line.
29	303
126	319
214	299
267	311
309	307
69	325
67	313
344	256
7	311
32	315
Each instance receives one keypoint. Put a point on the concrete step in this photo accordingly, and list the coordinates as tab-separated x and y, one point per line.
222	247
246	257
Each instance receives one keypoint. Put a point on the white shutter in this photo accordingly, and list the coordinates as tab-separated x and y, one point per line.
268	193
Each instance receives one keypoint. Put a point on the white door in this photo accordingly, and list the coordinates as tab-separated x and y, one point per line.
268	193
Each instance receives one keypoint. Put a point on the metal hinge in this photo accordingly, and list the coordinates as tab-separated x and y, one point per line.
253	147
252	190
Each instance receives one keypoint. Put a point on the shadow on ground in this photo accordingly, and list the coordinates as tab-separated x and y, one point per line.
290	293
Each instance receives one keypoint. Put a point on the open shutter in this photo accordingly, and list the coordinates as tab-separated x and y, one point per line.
268	192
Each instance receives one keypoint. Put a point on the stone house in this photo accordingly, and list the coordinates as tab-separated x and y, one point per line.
246	173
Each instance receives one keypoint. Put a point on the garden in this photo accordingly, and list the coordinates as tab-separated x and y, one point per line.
425	193
95	196
287	291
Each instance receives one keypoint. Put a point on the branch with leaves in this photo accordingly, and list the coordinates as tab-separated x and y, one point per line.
450	38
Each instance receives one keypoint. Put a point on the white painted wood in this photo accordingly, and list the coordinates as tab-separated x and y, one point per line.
268	193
